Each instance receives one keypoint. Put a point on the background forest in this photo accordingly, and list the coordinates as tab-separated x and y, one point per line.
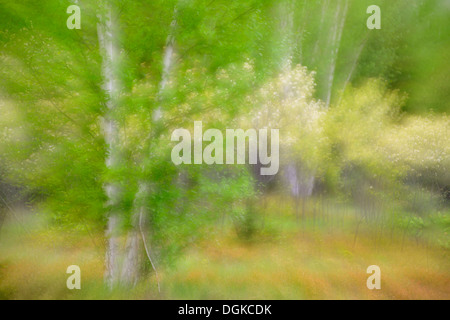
86	177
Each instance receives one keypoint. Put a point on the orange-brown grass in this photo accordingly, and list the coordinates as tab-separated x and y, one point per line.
309	266
285	260
33	264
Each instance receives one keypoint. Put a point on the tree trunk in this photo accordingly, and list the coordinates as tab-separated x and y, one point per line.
107	34
300	180
315	51
341	15
140	210
354	65
132	257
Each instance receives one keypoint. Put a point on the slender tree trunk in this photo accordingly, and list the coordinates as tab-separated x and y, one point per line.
301	32
168	60
112	272
300	182
140	210
132	260
335	43
354	65
286	34
319	35
107	34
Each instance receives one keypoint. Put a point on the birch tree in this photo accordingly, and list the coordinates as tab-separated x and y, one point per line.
299	176
108	38
140	211
336	35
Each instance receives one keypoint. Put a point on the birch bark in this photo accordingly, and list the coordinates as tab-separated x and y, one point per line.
341	16
140	210
300	180
107	34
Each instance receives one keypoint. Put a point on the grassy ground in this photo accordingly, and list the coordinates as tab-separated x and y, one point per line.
309	259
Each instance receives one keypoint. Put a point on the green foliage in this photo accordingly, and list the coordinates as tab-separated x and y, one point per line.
229	67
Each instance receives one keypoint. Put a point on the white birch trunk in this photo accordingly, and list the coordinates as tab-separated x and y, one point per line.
107	38
300	181
168	59
336	41
286	33
319	35
131	265
353	67
140	211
